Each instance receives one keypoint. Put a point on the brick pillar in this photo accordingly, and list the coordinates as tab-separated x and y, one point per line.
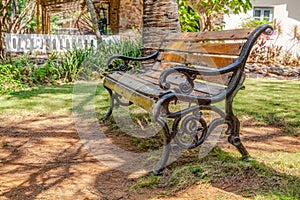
160	17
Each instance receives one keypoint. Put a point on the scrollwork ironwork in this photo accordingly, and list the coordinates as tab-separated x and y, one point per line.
192	130
185	88
123	67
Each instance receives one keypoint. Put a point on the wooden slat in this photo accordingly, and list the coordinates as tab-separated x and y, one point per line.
237	34
166	65
213	64
136	85
135	97
172	58
215	48
209	61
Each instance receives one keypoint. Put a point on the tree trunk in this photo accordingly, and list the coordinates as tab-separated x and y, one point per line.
159	18
91	8
2	47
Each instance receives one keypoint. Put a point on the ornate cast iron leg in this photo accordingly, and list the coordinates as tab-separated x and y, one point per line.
234	123
111	104
234	137
166	148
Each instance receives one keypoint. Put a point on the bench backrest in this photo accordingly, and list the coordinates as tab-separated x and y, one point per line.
205	50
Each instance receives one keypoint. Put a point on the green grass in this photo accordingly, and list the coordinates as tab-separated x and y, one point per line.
38	100
252	179
149	182
258	180
273	102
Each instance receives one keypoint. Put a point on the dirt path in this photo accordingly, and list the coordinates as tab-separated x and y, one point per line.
43	158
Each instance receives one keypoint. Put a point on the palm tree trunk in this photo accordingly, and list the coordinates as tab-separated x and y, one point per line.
159	18
91	8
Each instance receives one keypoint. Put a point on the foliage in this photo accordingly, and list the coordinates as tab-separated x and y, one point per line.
189	19
9	79
48	72
96	64
253	23
22	72
71	63
208	11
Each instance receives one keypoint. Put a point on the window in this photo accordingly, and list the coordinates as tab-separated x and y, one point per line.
263	13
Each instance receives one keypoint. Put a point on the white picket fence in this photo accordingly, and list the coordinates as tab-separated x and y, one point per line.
41	43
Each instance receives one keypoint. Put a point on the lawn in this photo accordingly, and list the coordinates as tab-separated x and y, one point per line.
266	103
273	102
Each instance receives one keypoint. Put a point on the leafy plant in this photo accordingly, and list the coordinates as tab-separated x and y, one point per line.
10	79
71	63
21	72
189	19
253	23
48	72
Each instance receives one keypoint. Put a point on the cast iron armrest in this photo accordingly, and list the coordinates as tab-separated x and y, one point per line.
126	59
191	73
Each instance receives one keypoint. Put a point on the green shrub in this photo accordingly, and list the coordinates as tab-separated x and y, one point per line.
10	79
74	64
71	63
48	72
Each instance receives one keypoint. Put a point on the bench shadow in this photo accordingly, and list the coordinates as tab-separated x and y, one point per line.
228	173
223	170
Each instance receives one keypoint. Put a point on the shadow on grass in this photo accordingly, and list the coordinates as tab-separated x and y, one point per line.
247	179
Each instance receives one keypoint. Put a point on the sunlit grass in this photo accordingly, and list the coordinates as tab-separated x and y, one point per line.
39	100
273	102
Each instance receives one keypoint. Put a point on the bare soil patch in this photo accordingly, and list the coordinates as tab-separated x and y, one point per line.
42	157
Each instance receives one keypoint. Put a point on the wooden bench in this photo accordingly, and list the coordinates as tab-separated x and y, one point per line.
199	69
